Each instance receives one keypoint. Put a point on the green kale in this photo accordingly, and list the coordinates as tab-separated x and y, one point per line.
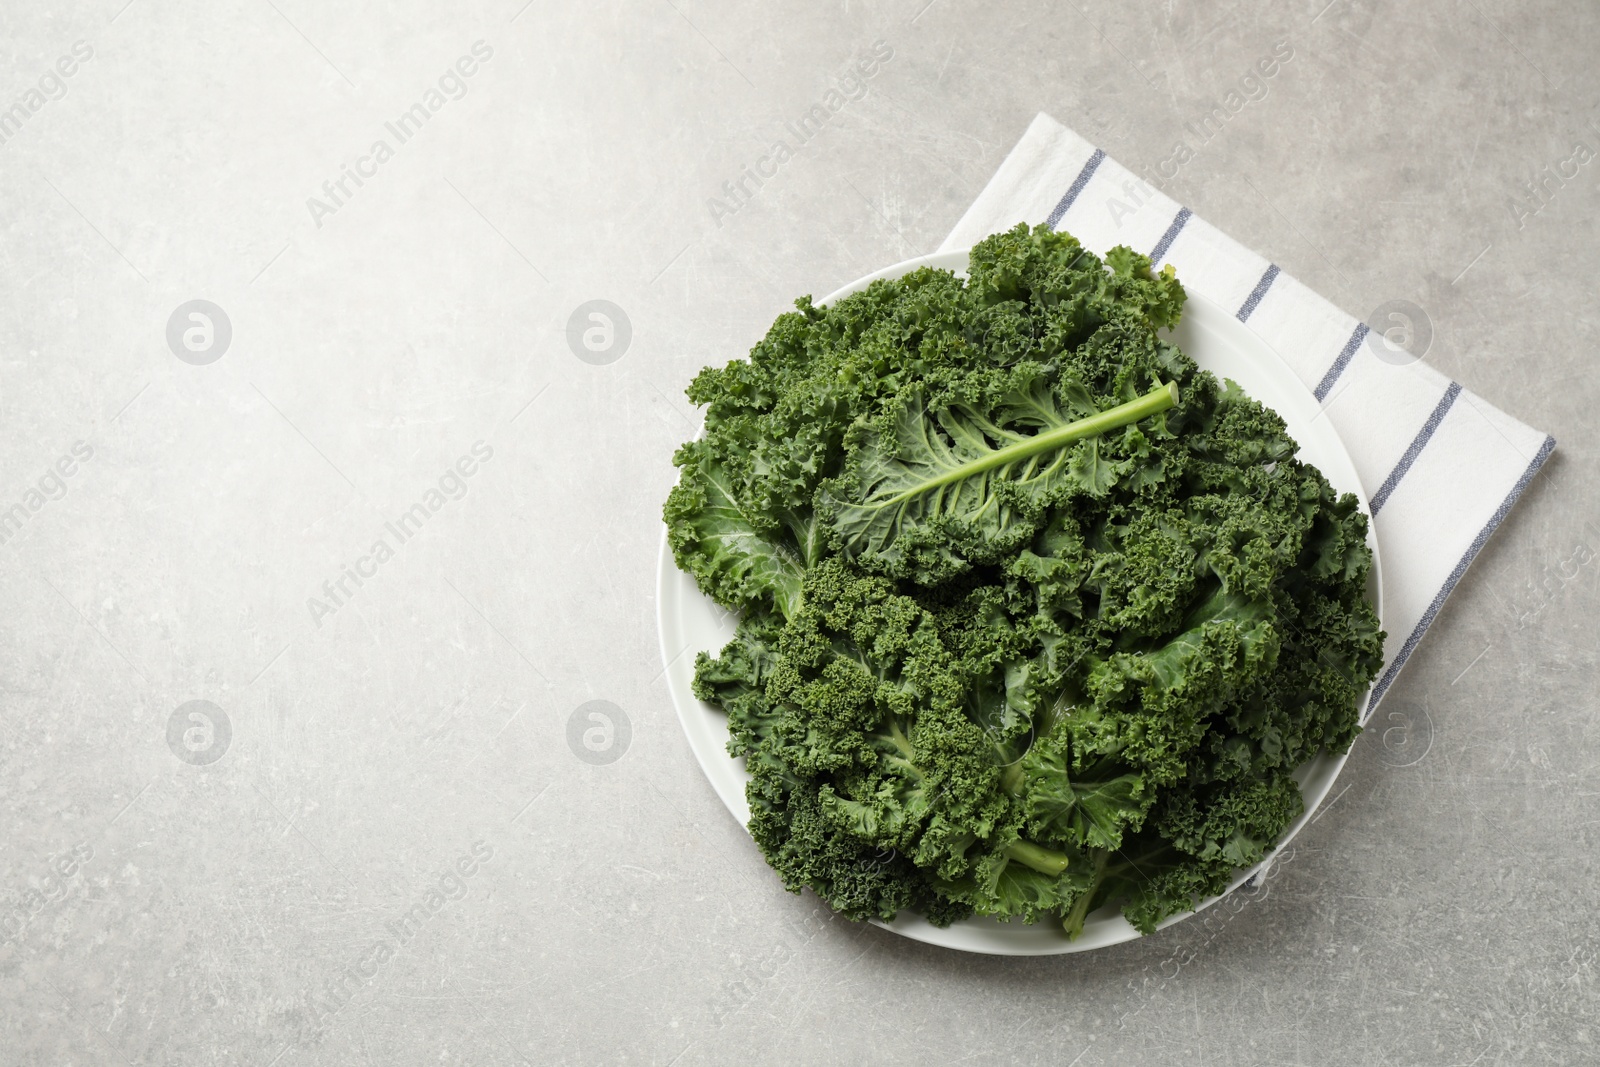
1035	615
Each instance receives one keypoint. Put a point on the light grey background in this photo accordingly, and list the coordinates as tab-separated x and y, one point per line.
1440	911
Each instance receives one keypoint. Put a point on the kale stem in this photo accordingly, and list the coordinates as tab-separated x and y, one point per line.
1043	860
1072	921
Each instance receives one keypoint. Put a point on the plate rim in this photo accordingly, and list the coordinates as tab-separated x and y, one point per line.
1112	929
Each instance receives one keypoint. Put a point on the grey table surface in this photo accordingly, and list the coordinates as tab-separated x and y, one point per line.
386	838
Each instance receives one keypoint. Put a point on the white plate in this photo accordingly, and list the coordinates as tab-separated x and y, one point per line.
690	622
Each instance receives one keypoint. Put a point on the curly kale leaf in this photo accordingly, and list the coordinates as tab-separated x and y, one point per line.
1197	843
865	735
713	538
957	477
1089	806
1053	271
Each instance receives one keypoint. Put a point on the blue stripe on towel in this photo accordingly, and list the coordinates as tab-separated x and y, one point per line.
1455	575
1381	497
1348	353
1077	187
1267	278
1170	236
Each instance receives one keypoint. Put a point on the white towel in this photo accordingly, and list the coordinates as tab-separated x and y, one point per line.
1440	465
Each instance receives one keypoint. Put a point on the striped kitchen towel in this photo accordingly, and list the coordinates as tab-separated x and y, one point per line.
1441	466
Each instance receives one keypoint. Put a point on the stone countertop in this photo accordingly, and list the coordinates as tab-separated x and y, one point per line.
338	515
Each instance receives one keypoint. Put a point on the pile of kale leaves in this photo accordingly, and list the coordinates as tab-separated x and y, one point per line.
1035	615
